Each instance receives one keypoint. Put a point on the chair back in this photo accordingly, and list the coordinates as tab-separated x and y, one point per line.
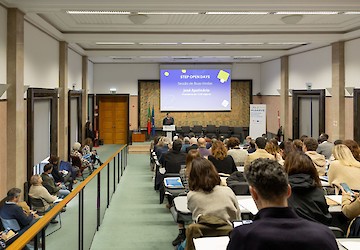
185	129
10	223
37	204
337	232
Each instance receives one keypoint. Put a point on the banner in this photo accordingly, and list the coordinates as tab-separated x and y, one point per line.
257	120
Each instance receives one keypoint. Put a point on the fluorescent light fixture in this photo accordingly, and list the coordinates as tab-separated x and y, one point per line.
236	13
306	13
246	57
167	13
244	43
121	57
115	43
97	12
351	13
158	43
200	43
288	43
153	57
218	57
184	57
112	89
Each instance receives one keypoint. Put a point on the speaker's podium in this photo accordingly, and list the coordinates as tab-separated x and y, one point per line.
169	129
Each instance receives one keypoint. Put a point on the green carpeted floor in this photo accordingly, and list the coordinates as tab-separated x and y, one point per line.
135	219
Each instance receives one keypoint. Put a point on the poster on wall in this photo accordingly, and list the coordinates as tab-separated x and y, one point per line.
257	120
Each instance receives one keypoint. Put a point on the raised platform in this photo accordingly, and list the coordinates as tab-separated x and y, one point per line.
139	147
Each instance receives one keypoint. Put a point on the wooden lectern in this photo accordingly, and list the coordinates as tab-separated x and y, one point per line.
169	129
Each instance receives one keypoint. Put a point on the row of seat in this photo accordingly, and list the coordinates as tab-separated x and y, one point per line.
212	131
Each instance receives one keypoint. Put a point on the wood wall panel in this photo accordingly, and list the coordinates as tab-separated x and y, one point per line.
149	94
3	155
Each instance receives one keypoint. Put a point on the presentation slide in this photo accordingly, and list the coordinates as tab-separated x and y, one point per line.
195	89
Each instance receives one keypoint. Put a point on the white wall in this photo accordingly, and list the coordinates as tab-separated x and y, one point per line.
124	77
41	58
90	78
311	67
74	70
248	72
3	42
352	63
270	77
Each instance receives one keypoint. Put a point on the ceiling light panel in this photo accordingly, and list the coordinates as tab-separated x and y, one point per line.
244	43
237	13
288	43
97	12
352	13
167	13
200	43
246	57
158	43
306	13
115	43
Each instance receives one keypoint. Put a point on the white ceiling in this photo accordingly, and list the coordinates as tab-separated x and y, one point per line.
84	31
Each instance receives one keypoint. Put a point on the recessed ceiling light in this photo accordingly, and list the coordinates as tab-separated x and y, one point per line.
158	43
115	43
352	13
184	57
167	13
306	13
200	43
246	57
218	57
121	58
288	43
153	57
97	12
244	43
236	13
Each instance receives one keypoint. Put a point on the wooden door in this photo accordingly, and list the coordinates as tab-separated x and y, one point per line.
113	119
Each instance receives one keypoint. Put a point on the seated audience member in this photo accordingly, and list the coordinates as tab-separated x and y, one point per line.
260	152
204	152
252	147
154	143
90	154
89	133
75	152
272	147
344	168
184	175
38	191
307	196
325	147
337	142
239	155
206	196
223	163
49	183
193	144
350	205
163	147
173	159
186	144
303	137
354	148
276	226
60	176
247	141
286	148
298	145
309	147
12	211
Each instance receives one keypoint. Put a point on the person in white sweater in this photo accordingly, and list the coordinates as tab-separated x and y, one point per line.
206	196
38	191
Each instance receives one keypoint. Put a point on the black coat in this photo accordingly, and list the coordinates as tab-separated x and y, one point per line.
225	166
308	200
173	161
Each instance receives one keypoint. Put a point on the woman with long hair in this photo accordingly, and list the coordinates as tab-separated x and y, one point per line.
223	162
206	196
307	197
345	168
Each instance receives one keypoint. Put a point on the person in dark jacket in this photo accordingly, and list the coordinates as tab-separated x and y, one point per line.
307	198
89	133
276	226
223	163
173	159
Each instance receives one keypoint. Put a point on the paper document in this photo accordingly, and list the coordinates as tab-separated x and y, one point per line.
336	198
350	244
211	243
248	204
58	200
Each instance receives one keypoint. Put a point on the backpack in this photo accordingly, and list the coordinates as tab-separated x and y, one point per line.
354	228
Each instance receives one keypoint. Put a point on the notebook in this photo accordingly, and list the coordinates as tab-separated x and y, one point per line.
173	182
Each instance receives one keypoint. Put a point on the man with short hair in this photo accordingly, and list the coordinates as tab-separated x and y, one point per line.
185	144
168	120
49	183
204	152
173	159
11	211
193	144
276	226
325	147
260	152
309	147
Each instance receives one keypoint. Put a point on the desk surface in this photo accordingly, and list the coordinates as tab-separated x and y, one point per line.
221	242
246	204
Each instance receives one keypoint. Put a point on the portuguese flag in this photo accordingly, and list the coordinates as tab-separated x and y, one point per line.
149	121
